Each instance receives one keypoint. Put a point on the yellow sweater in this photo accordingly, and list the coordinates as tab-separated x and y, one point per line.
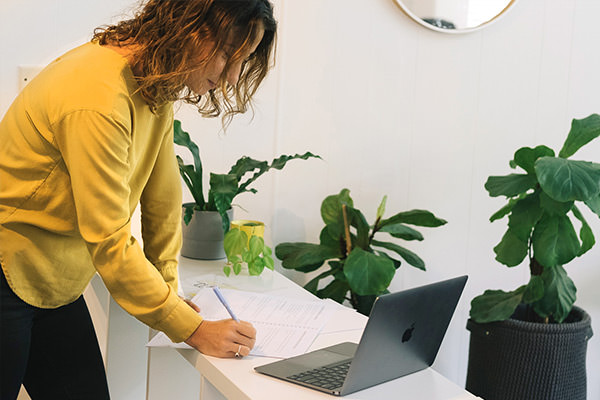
79	149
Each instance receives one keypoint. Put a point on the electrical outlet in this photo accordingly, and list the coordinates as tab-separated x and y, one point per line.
27	73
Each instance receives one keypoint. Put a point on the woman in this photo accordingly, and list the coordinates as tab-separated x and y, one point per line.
86	141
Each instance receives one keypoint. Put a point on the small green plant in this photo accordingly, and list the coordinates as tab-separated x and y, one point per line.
240	250
360	265
540	205
223	187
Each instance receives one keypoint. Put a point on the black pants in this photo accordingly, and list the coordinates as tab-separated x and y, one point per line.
54	353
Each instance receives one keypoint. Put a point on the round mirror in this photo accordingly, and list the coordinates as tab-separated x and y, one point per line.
455	16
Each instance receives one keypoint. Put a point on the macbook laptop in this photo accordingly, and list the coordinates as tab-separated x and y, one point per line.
403	335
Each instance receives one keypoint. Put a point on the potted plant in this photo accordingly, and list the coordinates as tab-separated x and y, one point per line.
251	228
530	343
250	249
217	205
361	265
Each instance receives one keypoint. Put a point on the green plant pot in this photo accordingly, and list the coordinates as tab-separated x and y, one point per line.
203	236
518	360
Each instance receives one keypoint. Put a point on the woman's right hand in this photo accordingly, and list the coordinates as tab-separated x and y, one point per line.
223	338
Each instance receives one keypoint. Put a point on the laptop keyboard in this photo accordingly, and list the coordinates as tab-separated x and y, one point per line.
328	377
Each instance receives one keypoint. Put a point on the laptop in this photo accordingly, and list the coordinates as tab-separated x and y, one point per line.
403	335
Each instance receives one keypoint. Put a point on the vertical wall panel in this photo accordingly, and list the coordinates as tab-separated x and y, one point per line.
394	109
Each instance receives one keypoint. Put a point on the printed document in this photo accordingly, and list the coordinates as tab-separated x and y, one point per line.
285	327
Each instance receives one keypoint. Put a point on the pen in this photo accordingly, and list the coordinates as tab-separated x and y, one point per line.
225	304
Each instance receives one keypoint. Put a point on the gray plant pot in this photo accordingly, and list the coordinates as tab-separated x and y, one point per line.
518	360
203	236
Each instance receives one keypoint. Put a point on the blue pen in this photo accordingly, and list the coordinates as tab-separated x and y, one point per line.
225	304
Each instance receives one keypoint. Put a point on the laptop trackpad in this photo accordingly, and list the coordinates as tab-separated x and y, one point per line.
314	359
326	356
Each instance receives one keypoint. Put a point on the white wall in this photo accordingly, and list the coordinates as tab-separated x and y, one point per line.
394	109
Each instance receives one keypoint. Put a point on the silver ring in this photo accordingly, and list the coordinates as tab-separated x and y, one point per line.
237	353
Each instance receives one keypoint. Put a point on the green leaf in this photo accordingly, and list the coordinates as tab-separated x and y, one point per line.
510	185
256	267
553	207
234	243
582	132
237	268
267	251
568	180
397	263
414	217
368	273
402	231
406	254
331	237
269	263
495	305
358	220
194	174
331	208
525	157
188	211
247	164
277	163
304	257
511	250
501	213
223	185
381	208
222	191
335	233
247	256
338	268
313	284
554	241
594	204
227	270
256	246
192	181
585	233
364	304
534	290
559	294
280	162
336	290
525	214
182	138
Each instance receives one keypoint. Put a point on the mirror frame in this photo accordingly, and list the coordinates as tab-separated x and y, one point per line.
421	22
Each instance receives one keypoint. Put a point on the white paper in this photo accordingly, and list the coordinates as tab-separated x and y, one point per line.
285	327
344	319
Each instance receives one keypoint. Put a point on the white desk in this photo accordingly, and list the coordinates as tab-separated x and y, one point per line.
236	379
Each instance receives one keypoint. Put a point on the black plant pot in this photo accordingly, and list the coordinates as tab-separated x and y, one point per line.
519	360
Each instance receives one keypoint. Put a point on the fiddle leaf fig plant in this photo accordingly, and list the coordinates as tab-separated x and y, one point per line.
361	263
223	187
252	252
543	203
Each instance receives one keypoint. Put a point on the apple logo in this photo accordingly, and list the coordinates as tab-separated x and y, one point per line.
408	333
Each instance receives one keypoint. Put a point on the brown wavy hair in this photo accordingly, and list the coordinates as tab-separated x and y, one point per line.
166	34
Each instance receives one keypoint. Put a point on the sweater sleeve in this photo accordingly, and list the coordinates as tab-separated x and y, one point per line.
161	212
95	150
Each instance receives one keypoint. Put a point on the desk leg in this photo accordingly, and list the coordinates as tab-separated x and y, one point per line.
122	341
170	376
126	355
209	392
